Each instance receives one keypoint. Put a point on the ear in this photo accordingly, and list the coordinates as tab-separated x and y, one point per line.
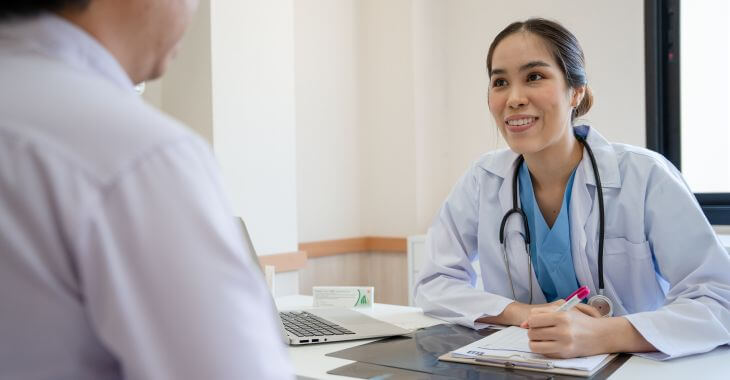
577	97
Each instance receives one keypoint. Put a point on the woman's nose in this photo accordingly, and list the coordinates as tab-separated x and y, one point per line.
516	98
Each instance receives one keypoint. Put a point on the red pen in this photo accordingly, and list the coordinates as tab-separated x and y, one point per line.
582	292
572	300
575	298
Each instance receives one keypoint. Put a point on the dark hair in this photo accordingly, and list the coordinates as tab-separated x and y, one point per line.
566	51
26	8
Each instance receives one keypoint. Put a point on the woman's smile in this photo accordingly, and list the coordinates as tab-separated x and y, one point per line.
519	123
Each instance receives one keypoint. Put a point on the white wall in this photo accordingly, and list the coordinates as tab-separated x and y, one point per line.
432	132
253	116
253	113
328	149
420	100
387	133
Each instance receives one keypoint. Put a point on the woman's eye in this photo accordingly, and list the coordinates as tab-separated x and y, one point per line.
534	77
499	83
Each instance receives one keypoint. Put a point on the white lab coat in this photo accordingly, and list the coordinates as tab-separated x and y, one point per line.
664	267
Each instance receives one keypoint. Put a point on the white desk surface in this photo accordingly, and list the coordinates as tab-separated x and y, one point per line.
310	360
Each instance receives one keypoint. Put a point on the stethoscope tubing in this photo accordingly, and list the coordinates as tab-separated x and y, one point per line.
601	212
518	210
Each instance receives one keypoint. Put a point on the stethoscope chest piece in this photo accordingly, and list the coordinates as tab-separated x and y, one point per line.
603	304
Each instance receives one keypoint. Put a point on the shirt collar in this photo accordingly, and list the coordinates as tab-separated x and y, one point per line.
54	37
503	163
606	160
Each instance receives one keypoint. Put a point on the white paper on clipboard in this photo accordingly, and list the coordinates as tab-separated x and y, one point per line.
512	346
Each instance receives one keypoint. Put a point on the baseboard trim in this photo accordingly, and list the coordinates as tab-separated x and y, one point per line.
285	262
291	261
365	244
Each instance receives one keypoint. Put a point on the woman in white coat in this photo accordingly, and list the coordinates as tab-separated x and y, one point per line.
663	269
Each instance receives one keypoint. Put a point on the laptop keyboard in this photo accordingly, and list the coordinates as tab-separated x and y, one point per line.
301	323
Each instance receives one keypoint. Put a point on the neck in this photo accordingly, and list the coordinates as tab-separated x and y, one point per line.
551	167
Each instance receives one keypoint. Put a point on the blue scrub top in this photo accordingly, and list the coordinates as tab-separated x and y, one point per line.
550	249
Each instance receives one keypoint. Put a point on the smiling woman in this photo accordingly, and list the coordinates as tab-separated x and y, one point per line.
588	192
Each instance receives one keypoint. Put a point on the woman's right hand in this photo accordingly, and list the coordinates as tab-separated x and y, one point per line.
516	313
581	307
588	310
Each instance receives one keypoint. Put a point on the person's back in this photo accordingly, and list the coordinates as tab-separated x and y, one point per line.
119	257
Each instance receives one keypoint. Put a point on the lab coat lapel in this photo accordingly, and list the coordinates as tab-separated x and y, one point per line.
582	227
584	211
514	233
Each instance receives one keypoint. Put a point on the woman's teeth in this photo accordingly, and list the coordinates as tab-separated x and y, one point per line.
521	121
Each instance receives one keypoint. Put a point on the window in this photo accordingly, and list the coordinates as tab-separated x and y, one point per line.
688	95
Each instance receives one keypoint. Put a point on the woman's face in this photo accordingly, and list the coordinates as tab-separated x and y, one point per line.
528	94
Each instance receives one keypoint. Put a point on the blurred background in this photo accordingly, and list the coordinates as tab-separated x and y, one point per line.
341	125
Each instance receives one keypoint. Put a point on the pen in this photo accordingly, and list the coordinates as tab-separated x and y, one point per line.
577	291
575	298
572	300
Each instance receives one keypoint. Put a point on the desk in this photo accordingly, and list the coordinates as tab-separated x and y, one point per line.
310	360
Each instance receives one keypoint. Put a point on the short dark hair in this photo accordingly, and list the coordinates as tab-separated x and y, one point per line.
26	8
566	51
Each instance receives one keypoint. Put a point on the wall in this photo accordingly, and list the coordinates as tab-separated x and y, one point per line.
253	113
252	44
430	105
419	96
386	118
328	150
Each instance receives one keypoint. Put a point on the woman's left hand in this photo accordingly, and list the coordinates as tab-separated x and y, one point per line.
564	334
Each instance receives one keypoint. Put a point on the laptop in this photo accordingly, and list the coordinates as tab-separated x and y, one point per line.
323	325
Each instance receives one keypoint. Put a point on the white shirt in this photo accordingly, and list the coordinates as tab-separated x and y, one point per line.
119	255
664	268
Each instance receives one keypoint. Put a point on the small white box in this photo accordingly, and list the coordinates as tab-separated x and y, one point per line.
343	296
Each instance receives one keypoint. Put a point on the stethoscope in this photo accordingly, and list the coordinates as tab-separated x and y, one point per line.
602	303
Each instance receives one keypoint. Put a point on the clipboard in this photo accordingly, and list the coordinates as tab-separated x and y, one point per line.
518	362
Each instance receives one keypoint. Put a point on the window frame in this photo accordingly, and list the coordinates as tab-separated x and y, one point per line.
663	102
